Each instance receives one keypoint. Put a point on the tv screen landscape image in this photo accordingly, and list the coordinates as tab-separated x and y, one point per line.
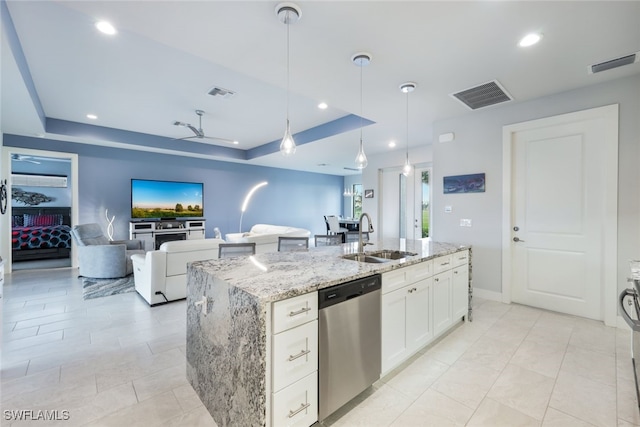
166	199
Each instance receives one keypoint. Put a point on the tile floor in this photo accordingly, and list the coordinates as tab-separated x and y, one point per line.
116	362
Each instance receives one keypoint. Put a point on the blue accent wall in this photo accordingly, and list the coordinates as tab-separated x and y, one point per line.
298	199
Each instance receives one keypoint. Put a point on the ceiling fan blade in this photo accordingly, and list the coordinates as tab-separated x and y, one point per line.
197	132
230	141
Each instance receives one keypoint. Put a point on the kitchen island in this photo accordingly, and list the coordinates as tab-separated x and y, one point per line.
233	329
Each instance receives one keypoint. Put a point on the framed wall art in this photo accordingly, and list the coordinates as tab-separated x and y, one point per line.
473	183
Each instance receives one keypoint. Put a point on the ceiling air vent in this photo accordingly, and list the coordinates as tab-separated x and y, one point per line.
613	63
221	93
483	95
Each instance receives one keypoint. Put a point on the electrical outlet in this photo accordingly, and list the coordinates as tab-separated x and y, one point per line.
465	222
447	209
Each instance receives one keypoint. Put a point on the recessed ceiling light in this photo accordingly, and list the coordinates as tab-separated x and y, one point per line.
92	116
530	39
236	142
392	144
323	106
106	27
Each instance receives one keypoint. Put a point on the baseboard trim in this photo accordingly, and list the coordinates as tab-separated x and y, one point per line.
621	324
485	294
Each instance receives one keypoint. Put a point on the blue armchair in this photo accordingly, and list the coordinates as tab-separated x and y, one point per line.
100	258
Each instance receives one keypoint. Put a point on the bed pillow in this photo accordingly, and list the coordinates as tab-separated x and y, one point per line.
33	220
17	221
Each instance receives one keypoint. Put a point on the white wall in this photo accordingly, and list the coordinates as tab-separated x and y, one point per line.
478	148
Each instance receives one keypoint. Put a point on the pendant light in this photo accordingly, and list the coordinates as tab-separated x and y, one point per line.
361	60
288	13
407	88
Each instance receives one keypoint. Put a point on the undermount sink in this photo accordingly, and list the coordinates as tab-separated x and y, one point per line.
389	254
364	258
384	255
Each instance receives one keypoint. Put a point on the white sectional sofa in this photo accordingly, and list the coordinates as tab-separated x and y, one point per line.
165	270
266	236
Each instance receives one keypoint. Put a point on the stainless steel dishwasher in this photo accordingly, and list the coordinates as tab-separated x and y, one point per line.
349	341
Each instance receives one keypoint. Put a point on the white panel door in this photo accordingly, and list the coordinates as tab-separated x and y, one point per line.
557	219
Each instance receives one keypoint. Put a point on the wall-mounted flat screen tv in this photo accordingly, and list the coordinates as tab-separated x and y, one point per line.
166	199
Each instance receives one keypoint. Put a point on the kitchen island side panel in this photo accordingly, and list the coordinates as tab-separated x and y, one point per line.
226	351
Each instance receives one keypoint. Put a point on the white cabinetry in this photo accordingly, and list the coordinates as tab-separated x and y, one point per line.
155	233
460	284
405	313
450	290
421	302
294	361
442	318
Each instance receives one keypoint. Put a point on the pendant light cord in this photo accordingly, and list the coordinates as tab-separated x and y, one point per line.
288	24
361	66
407	127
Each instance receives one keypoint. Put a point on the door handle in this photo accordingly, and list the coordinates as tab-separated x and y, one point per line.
517	239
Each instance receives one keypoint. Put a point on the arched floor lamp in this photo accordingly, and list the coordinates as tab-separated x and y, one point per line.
246	201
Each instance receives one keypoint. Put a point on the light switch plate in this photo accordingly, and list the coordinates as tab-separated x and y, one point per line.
464	222
447	209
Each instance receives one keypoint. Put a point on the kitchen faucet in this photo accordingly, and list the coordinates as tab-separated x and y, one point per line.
362	244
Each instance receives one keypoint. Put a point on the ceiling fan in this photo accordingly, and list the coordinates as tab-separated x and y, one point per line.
23	158
199	133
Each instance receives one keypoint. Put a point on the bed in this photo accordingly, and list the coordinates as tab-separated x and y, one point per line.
40	233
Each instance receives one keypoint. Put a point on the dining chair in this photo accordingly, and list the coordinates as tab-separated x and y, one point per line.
230	250
352	236
328	239
333	224
286	244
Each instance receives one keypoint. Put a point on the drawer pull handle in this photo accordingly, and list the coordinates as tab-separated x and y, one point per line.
302	407
412	290
301	311
455	272
299	355
436	279
445	263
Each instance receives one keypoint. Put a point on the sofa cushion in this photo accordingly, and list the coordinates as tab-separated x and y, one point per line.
265	236
181	252
279	230
190	245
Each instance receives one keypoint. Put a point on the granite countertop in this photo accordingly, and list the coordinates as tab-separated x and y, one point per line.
279	275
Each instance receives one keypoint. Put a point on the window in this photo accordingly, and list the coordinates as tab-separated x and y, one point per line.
357	200
425	203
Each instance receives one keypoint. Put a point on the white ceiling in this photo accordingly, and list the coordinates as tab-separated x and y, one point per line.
168	54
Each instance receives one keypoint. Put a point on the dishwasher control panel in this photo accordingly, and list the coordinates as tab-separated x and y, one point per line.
345	291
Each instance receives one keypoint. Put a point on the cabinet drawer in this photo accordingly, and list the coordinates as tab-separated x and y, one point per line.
442	263
297	405
460	258
294	311
422	270
295	354
395	279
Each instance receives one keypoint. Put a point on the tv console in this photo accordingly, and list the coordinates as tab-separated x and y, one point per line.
154	233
